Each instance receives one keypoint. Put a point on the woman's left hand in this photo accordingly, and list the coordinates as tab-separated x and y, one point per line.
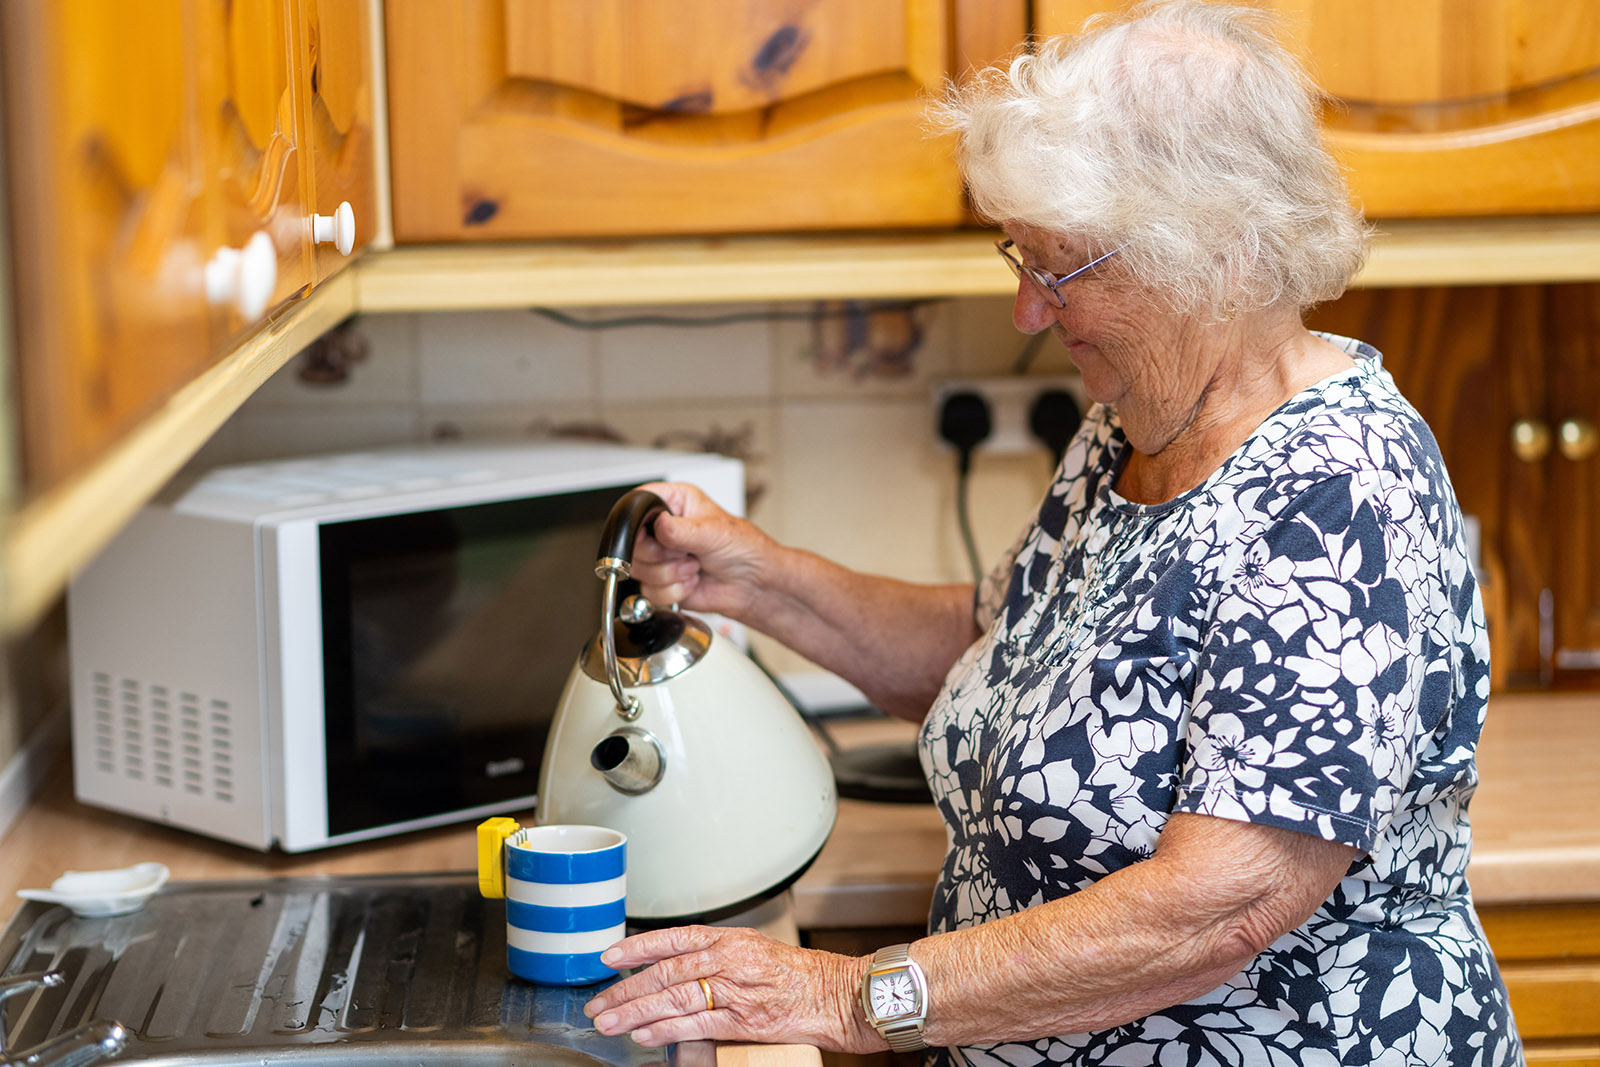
732	983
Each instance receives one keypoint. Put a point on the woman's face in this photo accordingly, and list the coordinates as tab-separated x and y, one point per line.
1129	350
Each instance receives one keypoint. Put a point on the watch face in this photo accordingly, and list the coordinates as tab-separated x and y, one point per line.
892	995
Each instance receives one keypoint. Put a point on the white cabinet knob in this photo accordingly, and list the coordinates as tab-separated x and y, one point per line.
244	277
339	229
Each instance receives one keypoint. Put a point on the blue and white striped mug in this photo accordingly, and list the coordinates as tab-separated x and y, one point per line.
566	893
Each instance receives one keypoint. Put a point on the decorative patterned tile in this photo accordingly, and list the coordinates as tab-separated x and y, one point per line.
372	360
489	421
850	348
746	430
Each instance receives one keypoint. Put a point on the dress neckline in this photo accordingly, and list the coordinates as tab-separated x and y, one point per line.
1368	361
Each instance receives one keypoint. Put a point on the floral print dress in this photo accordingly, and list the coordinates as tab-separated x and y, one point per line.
1297	642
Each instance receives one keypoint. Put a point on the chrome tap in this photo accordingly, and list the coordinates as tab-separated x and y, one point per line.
77	1048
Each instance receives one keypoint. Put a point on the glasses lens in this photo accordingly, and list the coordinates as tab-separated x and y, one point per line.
1011	260
1020	269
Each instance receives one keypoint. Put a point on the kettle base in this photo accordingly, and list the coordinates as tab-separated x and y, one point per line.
697	918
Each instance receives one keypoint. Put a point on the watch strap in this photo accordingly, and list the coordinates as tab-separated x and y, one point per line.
903	1035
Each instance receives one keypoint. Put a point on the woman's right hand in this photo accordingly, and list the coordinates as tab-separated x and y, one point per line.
699	556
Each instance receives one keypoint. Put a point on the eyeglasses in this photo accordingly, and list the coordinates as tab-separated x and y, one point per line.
1044	279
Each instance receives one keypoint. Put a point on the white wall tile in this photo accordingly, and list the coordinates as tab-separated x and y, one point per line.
502	357
860	484
220	449
866	484
685	361
266	433
986	342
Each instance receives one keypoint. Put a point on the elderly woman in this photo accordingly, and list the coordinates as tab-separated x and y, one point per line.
1204	741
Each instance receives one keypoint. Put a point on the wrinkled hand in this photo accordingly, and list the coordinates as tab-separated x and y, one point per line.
700	556
761	990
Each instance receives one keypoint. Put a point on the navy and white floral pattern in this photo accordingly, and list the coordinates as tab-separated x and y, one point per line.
1298	642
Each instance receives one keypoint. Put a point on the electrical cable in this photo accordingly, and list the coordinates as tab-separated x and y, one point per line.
965	422
964	519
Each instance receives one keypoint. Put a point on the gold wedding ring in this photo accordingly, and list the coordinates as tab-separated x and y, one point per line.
705	987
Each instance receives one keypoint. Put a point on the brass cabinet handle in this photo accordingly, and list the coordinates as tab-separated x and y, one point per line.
1578	439
1530	440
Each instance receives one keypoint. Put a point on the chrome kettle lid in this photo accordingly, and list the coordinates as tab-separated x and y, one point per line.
652	644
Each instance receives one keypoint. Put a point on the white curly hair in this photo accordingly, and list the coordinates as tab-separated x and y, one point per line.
1185	134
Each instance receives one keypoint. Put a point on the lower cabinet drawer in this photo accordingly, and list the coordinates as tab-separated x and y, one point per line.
1555	999
1549	955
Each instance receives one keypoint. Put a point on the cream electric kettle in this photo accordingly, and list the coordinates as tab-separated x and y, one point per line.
678	740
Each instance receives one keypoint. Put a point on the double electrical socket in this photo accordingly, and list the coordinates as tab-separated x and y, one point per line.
1010	399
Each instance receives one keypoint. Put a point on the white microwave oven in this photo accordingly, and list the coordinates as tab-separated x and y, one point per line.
308	652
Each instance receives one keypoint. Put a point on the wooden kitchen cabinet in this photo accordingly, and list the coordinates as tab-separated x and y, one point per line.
165	161
250	107
110	221
1508	378
337	120
546	118
1549	956
1473	107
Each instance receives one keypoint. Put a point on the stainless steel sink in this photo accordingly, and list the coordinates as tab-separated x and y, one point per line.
320	972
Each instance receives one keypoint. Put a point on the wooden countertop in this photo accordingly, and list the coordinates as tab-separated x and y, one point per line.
1536	822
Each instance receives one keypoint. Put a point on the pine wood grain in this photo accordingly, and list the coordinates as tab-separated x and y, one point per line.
103	151
526	118
1463	108
336	118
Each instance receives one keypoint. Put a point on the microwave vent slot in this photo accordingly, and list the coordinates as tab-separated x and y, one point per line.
151	733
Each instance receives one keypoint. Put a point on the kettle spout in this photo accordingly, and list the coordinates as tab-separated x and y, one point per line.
630	759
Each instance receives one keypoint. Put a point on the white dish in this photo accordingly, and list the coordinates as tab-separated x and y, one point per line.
99	893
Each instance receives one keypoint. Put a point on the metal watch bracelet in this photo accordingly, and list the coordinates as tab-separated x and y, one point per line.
904	1036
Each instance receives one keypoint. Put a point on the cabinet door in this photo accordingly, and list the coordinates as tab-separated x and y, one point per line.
248	101
1470	359
1573	409
526	118
1463	108
108	220
335	74
1502	374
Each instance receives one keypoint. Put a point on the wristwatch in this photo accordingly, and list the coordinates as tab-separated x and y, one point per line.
894	994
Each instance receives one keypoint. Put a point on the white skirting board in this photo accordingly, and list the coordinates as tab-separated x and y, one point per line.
23	777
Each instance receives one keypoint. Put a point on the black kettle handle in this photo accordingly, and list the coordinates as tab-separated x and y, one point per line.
634	512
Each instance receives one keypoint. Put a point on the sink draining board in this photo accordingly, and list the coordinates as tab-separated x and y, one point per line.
214	971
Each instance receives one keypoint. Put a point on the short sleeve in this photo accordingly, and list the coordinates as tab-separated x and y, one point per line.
1308	707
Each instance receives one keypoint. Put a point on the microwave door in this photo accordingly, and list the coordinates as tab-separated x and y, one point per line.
448	636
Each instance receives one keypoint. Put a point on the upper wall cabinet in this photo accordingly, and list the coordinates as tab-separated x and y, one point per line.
335	41
249	91
1471	107
110	223
166	166
540	118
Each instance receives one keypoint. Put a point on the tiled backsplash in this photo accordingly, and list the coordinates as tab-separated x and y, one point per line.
829	404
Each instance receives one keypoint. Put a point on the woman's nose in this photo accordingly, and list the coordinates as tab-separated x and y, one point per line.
1031	312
